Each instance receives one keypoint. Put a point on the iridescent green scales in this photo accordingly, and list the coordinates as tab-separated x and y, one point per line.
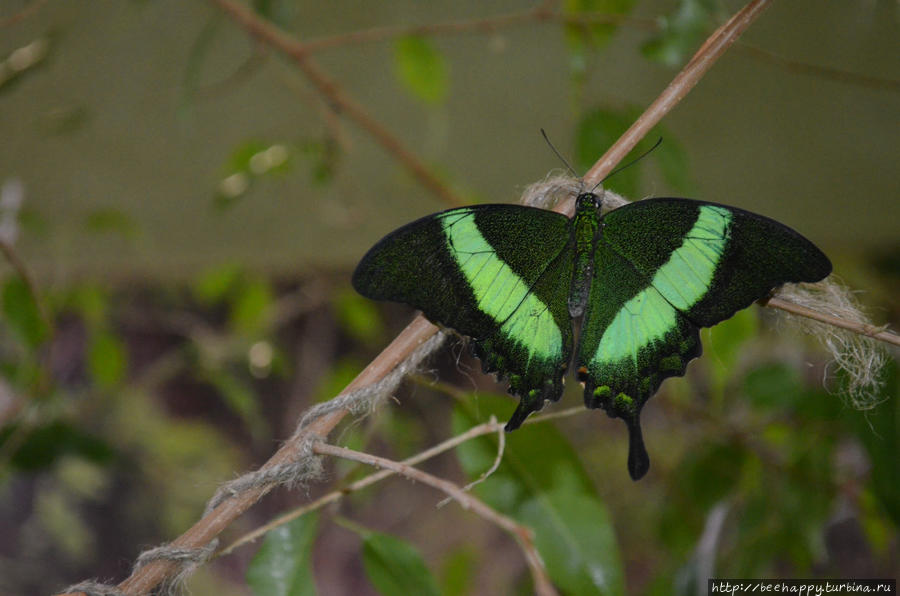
643	279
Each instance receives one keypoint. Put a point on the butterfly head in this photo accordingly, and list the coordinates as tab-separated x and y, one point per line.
588	201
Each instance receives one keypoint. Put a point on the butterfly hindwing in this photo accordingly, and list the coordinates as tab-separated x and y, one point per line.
497	273
663	269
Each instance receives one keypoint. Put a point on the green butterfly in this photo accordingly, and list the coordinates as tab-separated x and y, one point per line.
644	278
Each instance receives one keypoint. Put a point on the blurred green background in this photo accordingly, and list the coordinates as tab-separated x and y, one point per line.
187	209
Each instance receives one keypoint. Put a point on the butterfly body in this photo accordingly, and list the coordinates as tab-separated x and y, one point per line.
642	279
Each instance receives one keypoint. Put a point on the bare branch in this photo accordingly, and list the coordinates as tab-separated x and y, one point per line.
522	534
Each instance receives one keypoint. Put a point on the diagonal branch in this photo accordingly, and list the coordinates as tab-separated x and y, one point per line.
335	95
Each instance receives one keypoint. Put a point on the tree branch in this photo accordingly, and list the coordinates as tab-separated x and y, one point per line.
335	95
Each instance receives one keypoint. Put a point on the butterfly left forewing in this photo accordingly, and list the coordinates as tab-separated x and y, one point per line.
496	273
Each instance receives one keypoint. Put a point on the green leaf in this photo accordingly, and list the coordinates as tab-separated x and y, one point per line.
22	313
672	160
91	302
681	33
775	385
214	285
601	127
582	37
250	307
240	398
879	431
110	220
542	483
421	69
396	567
323	157
283	564
458	571
574	534
44	446
358	317
107	359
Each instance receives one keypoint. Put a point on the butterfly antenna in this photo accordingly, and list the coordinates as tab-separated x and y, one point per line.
629	164
558	154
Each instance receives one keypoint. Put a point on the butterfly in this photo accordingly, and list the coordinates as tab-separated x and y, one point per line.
643	279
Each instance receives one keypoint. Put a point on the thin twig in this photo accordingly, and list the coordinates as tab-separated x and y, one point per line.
872	331
146	578
489	24
522	534
335	95
485	428
13	258
542	14
24	12
824	72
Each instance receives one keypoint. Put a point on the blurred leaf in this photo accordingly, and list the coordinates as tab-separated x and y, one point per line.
22	313
722	343
240	399
574	534
214	285
283	564
681	33
358	317
249	162
279	12
601	127
33	222
91	302
542	483
250	306
323	156
110	221
239	160
458	571
597	131
582	37
707	475
879	431
421	69
395	567
672	160
107	359
773	386
45	445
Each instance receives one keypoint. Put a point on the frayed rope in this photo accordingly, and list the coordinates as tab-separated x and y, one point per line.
861	358
306	467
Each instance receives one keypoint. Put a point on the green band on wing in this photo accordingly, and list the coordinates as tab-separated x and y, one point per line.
679	283
500	292
685	277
